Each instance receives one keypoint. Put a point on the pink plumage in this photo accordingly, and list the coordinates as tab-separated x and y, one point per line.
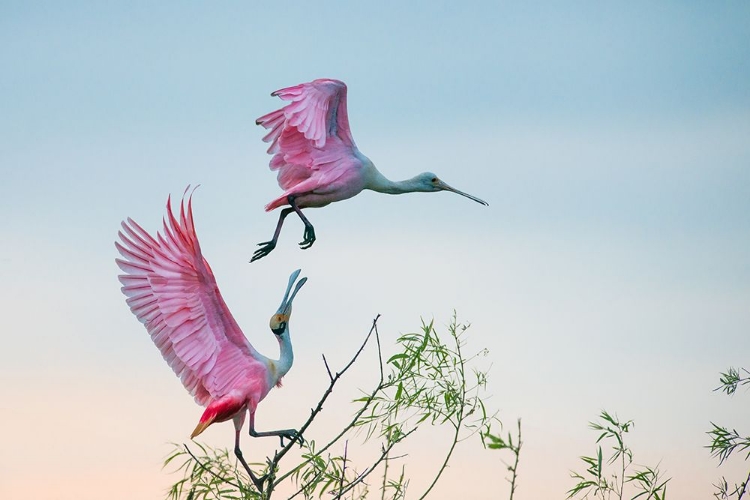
312	145
317	160
171	289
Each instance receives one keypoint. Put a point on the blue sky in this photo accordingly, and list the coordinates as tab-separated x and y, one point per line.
612	267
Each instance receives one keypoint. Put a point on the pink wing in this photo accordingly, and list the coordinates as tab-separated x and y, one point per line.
317	113
172	291
310	133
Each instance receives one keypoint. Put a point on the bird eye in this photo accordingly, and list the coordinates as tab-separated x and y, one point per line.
434	180
279	328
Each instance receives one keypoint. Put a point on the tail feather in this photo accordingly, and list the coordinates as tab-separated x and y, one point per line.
219	410
202	425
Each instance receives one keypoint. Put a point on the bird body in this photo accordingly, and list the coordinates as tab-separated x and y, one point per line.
334	181
171	289
317	160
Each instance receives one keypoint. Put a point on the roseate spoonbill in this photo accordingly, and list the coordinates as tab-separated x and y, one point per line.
171	289
317	160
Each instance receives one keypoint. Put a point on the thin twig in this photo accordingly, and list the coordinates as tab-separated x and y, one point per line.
374	466
744	487
368	400
209	470
304	486
343	471
278	456
385	477
366	404
328	369
460	419
517	451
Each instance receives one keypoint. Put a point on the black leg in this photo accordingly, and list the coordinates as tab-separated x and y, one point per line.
309	237
291	434
258	482
268	246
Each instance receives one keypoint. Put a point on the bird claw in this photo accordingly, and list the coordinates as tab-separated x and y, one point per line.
308	238
259	481
292	435
266	248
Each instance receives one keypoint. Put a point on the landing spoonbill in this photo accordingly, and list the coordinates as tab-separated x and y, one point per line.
171	289
317	160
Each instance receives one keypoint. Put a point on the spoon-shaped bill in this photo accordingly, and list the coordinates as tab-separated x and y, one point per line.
445	187
286	303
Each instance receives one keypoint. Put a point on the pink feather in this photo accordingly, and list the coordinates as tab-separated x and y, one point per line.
172	291
312	145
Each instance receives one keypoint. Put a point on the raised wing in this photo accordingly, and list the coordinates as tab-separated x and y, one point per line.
310	132
317	112
172	291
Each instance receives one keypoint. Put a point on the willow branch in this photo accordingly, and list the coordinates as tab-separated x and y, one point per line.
459	420
517	451
207	469
744	487
307	484
343	472
277	457
370	469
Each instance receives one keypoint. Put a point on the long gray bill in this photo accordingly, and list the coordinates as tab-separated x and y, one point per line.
287	298
446	187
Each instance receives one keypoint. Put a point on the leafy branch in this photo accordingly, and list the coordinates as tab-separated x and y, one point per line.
724	442
497	442
598	482
429	380
732	379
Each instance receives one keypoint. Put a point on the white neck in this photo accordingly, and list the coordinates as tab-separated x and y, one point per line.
378	182
286	354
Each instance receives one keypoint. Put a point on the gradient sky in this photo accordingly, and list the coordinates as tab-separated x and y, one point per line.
611	270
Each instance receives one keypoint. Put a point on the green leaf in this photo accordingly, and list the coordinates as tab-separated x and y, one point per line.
399	390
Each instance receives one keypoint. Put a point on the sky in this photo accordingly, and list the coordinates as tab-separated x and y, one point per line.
610	271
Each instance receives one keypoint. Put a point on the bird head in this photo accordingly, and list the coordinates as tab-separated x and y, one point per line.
280	321
429	182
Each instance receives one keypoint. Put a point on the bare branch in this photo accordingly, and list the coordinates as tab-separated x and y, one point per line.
343	471
517	451
744	487
328	369
278	456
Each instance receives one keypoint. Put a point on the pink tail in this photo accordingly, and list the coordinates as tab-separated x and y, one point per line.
218	411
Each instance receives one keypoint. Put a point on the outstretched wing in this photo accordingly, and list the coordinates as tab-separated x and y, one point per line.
172	291
310	132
